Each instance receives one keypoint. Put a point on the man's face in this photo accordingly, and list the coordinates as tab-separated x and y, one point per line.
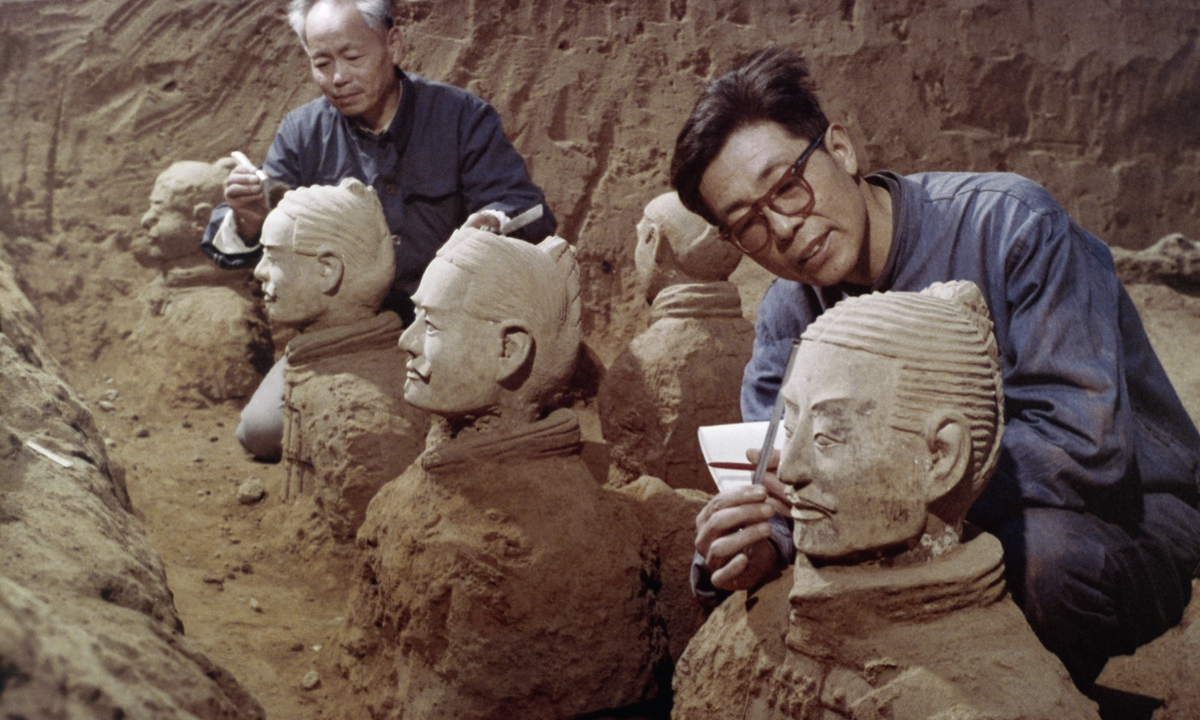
825	248
172	227
353	64
290	281
454	356
856	485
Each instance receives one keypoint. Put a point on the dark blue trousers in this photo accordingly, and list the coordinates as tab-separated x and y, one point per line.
1093	589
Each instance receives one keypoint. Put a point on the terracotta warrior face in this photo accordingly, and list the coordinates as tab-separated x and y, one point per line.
454	356
291	281
856	484
173	224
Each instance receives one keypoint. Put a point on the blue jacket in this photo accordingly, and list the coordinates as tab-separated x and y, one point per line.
1092	421
443	157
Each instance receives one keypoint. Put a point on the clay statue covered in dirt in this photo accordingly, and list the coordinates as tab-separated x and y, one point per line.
328	261
499	580
895	607
685	370
202	334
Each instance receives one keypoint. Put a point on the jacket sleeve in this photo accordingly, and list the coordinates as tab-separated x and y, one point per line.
493	174
1068	427
785	311
283	162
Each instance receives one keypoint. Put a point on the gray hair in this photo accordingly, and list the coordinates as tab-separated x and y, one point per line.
376	13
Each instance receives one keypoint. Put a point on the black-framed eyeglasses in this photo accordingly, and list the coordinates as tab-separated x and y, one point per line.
791	195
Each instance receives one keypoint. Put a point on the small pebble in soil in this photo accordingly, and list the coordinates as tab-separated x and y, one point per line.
213	579
311	680
247	568
106	406
255	606
109	442
187	425
214	438
297	647
198	459
251	491
110	395
142	431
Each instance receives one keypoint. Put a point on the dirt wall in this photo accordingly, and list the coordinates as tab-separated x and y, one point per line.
1098	101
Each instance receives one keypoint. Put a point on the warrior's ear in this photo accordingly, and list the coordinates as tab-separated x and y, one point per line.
949	437
201	212
332	269
516	355
664	255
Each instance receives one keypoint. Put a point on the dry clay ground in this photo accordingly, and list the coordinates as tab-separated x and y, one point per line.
268	614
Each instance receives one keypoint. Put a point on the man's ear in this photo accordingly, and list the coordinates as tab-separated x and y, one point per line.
949	437
330	276
395	44
201	212
837	142
516	355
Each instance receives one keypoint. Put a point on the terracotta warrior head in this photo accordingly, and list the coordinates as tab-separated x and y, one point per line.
894	418
497	328
676	246
183	198
328	257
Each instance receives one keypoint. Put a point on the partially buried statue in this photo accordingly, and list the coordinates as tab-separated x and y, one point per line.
201	336
897	608
685	370
499	580
328	261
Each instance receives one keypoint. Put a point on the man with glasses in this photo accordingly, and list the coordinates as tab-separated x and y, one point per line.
1093	497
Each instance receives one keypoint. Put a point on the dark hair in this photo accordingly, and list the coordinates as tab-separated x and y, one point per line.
771	85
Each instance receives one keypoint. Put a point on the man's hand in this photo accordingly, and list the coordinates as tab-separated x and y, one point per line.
244	193
732	531
483	221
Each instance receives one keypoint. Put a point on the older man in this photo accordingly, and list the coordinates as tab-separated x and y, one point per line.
1095	487
436	156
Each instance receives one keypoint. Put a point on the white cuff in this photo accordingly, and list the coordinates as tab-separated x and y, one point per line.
498	214
227	241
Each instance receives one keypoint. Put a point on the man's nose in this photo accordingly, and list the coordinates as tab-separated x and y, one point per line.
783	227
149	219
341	73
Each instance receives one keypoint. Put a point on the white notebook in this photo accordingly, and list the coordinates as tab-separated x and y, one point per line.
728	444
